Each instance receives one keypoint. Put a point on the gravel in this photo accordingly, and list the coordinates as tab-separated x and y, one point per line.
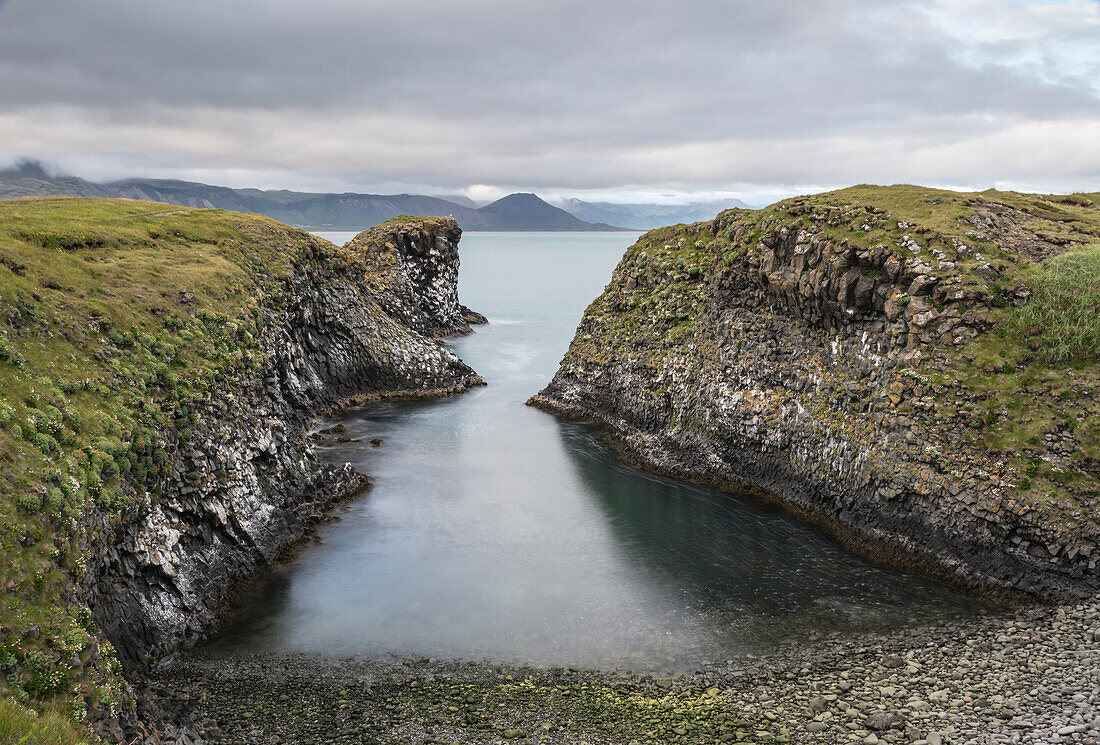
1028	676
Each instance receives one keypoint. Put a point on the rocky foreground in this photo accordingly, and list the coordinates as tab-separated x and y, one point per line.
1032	676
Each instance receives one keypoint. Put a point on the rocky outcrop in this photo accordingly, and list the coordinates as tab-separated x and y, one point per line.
416	260
245	483
838	354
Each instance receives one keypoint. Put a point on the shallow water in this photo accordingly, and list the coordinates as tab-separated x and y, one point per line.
495	531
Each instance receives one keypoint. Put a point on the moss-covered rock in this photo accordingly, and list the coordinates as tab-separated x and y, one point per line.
872	359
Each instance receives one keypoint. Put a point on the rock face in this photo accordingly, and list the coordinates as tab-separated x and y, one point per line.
247	483
820	354
419	259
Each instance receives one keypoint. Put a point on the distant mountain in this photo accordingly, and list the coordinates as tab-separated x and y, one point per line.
647	216
319	211
528	212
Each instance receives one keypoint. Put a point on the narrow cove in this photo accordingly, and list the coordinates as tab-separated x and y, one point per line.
497	532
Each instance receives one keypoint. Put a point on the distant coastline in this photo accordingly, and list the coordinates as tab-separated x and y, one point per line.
355	212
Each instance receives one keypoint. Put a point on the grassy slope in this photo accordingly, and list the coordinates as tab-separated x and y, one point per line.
1034	375
112	320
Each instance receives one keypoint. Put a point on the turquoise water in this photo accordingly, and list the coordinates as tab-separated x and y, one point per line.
496	531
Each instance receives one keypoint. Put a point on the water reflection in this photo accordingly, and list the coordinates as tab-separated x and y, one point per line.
737	558
497	531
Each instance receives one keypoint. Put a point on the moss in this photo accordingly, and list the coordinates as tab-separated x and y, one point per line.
118	320
501	708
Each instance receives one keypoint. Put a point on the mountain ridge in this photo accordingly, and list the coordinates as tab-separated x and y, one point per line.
314	210
647	216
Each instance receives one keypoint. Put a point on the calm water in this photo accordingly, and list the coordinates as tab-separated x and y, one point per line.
496	531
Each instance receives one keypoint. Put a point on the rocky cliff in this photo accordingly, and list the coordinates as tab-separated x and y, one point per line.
874	359
160	372
246	484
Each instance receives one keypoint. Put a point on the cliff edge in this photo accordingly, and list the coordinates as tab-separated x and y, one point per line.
159	370
914	369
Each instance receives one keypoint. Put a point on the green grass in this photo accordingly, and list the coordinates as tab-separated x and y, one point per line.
22	726
1061	321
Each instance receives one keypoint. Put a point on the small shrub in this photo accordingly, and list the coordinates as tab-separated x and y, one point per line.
44	679
7	657
75	640
29	503
83	617
94	485
55	500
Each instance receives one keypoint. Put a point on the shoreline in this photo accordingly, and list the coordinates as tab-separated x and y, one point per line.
869	547
957	681
963	681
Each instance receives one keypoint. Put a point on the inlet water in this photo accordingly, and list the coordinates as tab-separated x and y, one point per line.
496	531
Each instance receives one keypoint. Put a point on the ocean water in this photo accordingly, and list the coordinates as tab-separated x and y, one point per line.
495	531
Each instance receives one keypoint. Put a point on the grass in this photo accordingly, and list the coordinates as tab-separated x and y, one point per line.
1061	322
115	322
22	726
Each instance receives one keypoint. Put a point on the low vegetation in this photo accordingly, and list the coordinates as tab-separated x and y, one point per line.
1060	324
116	318
22	726
251	706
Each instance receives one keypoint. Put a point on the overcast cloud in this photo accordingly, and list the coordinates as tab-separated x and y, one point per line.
620	98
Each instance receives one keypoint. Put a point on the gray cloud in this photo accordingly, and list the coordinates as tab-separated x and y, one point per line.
557	95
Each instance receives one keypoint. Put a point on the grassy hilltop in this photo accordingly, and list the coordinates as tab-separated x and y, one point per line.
115	317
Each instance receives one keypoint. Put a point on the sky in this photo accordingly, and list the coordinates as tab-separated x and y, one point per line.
619	100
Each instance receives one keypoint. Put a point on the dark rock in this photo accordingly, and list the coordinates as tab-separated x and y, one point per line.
883	720
790	366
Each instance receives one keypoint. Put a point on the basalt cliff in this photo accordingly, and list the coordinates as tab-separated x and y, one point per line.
913	369
159	371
